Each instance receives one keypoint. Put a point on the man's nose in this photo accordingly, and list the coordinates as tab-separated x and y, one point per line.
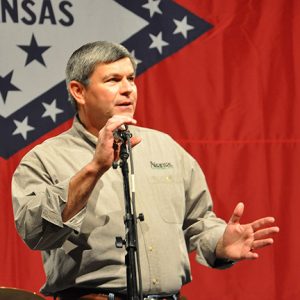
126	86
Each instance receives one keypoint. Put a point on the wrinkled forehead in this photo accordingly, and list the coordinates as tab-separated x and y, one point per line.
120	66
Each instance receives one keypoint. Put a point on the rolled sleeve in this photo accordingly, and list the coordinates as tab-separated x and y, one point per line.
207	244
202	227
53	205
54	202
38	205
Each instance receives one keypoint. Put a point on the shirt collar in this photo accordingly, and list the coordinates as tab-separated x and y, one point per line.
80	129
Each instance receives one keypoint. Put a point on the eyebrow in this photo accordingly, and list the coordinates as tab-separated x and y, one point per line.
117	75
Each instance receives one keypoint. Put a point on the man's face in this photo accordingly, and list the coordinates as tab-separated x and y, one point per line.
111	91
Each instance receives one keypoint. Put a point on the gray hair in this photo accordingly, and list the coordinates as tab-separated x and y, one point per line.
84	60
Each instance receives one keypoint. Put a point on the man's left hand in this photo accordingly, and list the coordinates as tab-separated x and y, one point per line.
241	241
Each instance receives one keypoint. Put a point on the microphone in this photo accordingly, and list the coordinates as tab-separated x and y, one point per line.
121	134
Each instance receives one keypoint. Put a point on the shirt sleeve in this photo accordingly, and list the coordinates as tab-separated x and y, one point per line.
38	202
202	228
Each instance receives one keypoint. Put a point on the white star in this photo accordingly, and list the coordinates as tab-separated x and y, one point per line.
22	128
138	61
152	5
51	110
157	42
182	27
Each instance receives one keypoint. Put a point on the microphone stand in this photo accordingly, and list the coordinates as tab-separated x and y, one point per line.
130	220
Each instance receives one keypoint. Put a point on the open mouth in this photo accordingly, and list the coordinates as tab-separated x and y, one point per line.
125	104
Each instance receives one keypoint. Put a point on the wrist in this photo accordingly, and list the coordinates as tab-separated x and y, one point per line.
95	168
220	251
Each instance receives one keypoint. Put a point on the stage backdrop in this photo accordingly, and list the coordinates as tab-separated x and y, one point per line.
221	77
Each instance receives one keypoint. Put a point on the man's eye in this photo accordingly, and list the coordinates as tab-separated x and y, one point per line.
113	79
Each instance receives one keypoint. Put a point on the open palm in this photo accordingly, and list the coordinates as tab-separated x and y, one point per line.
240	241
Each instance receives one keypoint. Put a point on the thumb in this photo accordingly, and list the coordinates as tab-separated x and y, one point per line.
135	140
237	213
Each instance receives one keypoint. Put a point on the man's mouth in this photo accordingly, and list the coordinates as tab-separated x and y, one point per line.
127	103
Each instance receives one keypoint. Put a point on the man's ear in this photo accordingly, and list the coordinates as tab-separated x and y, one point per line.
77	90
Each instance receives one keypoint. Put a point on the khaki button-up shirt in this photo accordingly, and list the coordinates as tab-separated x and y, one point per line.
170	190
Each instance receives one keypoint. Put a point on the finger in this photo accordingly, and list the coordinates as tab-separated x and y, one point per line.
259	234
237	213
262	243
135	140
117	121
263	222
251	255
107	132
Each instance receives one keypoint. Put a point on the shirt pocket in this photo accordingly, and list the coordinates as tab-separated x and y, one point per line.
169	199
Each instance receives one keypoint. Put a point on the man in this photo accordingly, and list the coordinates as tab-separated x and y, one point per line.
69	202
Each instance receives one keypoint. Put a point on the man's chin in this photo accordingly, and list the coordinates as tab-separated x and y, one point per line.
128	113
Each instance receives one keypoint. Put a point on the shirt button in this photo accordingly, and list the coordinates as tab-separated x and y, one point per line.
154	281
150	248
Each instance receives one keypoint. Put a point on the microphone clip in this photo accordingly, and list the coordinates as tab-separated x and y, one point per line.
122	134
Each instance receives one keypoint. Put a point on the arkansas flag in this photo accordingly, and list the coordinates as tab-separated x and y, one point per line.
221	77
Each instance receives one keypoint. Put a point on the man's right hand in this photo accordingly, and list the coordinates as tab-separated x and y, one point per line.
105	154
83	182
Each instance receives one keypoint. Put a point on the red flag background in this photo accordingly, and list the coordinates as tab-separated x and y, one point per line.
231	98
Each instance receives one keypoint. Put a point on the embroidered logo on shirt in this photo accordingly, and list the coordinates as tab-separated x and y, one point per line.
160	166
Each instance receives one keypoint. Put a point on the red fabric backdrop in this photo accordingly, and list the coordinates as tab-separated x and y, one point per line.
231	98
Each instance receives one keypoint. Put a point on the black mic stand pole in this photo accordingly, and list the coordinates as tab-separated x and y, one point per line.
130	241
